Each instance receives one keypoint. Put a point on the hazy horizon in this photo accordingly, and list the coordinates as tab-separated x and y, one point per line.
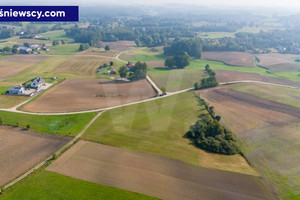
290	4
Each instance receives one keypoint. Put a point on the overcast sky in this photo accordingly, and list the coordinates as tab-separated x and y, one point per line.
235	3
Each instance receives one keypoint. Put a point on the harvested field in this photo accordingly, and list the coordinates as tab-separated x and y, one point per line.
228	75
12	65
82	65
120	45
100	52
89	94
21	150
276	58
154	175
231	58
284	67
269	132
259	111
158	63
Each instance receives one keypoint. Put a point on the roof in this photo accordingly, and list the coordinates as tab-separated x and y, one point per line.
24	48
16	88
38	81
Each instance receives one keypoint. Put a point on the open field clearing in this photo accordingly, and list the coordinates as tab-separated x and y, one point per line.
12	65
269	131
154	175
43	69
84	66
228	75
56	35
52	124
63	49
100	52
89	94
143	55
274	93
158	127
52	186
231	58
8	101
216	35
21	150
276	58
119	45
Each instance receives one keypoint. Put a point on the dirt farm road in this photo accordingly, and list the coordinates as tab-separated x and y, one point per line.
14	109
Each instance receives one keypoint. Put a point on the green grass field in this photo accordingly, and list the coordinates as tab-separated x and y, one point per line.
52	124
158	127
278	94
143	55
63	49
51	186
56	35
7	101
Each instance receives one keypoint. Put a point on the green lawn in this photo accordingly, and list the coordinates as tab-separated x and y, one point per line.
70	124
56	35
63	49
158	127
143	55
51	186
7	101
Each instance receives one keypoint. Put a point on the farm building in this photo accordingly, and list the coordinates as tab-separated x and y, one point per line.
16	90
34	46
113	71
26	49
37	83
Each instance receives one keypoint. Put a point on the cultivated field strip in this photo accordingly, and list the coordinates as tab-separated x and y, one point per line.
21	150
154	175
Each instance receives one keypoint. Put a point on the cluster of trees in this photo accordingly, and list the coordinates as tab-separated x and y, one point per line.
88	35
211	81
208	134
123	71
229	27
83	47
6	33
191	46
181	60
284	41
58	42
139	71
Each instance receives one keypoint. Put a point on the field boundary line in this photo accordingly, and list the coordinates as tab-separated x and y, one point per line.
58	152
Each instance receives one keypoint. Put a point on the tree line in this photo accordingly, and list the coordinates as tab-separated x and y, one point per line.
208	134
211	81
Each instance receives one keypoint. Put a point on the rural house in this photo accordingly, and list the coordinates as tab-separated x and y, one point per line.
16	90
37	83
113	71
34	46
25	49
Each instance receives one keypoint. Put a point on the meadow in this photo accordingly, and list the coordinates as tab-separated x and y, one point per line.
52	124
51	186
158	127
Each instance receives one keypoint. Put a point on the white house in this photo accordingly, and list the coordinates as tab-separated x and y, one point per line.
16	90
37	83
22	48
